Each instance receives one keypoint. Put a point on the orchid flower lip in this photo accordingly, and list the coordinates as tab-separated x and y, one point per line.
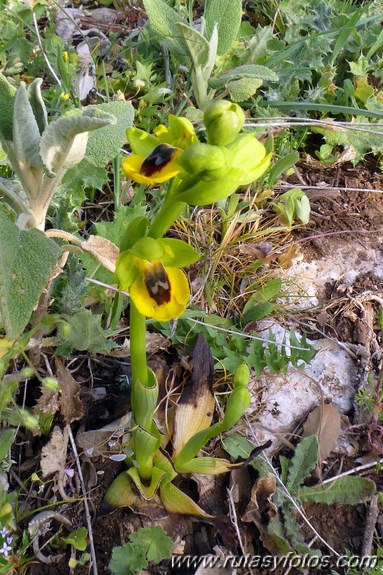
160	156
157	283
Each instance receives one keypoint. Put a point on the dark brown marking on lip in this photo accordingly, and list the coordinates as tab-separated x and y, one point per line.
157	160
157	284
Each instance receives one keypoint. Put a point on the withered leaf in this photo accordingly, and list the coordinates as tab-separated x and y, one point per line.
53	454
105	251
325	422
196	406
71	407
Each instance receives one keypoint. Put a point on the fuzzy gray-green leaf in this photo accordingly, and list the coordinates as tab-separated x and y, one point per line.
27	257
227	15
63	143
7	100
37	103
346	490
163	21
197	45
243	88
26	133
105	144
246	71
303	462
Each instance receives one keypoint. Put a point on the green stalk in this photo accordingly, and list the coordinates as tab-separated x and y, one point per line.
167	215
138	347
117	182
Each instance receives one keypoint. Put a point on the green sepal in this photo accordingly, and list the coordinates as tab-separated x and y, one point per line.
144	400
176	501
121	493
142	143
199	193
146	490
125	270
136	230
178	253
148	248
206	161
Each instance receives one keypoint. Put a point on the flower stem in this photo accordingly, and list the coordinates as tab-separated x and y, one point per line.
138	347
167	215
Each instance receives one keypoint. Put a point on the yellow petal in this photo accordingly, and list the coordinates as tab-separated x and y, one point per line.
132	166
170	304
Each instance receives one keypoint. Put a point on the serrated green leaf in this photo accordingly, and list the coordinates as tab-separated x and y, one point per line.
163	21
242	89
7	101
246	71
27	257
26	133
128	559
304	461
63	143
156	543
86	333
105	144
345	490
197	45
227	15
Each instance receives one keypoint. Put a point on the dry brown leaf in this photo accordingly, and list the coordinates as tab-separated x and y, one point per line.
105	251
71	407
103	442
53	454
324	422
261	510
196	406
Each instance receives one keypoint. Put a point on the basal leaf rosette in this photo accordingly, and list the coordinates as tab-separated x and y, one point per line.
151	272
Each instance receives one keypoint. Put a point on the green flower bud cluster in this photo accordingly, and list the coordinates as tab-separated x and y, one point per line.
228	160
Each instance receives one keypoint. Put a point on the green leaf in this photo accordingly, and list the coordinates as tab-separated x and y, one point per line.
105	144
246	71
78	539
86	334
155	541
281	166
37	103
26	133
346	490
27	257
237	446
304	461
197	45
7	101
163	21
227	15
6	439
243	88
126	219
128	560
259	311
63	143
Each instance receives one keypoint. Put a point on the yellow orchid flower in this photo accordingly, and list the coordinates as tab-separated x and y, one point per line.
159	292
161	165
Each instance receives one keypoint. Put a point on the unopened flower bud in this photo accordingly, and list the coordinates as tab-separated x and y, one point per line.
223	121
208	162
236	406
242	375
